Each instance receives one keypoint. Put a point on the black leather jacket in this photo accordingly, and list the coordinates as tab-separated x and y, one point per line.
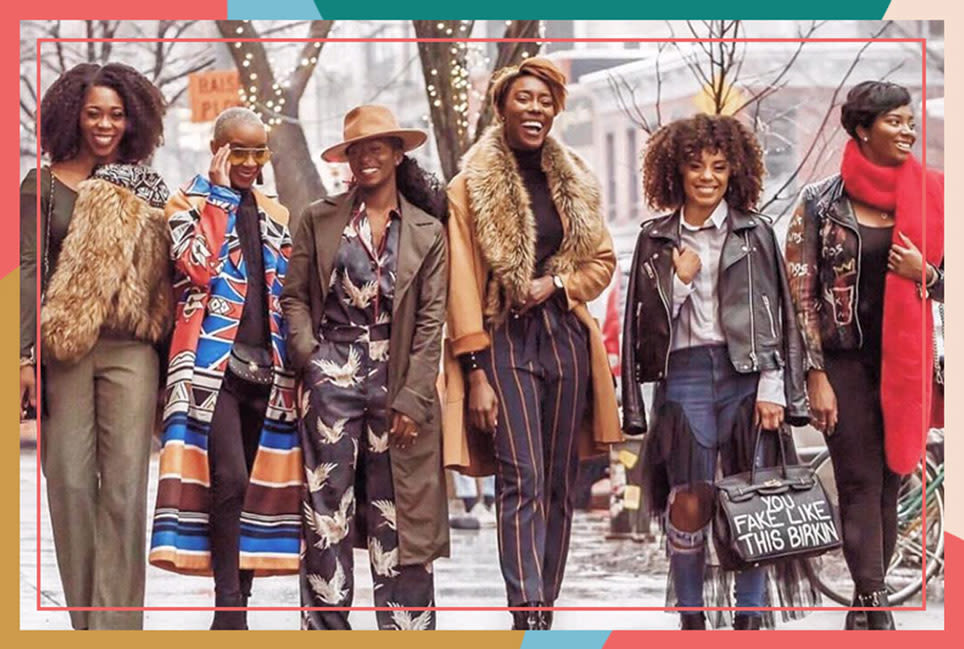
758	316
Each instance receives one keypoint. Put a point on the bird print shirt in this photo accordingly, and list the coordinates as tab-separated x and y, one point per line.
362	284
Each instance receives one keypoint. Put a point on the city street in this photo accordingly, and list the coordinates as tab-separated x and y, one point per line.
599	573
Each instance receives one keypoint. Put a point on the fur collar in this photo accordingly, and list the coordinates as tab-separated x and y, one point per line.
505	225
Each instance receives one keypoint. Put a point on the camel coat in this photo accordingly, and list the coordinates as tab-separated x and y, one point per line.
491	235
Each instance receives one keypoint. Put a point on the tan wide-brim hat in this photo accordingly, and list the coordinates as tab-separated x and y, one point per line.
371	121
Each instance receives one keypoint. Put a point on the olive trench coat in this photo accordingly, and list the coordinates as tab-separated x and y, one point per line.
418	314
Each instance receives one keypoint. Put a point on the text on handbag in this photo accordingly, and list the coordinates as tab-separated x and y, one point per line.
784	524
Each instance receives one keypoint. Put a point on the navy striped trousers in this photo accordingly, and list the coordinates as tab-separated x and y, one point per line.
538	365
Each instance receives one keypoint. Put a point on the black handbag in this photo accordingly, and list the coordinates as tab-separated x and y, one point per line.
252	364
772	513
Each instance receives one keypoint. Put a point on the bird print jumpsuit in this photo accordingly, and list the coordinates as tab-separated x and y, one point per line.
345	439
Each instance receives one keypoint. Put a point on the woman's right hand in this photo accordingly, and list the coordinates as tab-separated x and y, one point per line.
483	404
219	172
686	263
28	387
823	402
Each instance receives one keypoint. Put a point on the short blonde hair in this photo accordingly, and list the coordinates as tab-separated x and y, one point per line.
538	67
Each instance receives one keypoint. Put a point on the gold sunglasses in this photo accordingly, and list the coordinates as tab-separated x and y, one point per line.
240	155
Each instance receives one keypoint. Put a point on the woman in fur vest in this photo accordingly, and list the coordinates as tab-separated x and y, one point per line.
862	279
527	376
102	255
230	469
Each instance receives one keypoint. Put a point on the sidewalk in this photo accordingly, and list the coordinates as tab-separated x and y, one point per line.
599	573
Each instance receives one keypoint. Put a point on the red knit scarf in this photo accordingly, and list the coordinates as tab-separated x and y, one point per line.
907	352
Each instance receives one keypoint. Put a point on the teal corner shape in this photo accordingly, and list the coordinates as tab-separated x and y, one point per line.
274	10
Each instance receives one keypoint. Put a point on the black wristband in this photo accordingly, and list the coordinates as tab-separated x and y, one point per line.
469	362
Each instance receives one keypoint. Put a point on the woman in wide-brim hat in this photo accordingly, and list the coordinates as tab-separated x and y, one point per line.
365	303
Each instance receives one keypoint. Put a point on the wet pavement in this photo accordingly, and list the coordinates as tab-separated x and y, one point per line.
600	572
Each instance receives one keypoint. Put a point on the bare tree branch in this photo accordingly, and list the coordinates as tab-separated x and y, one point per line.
826	117
177	76
784	70
309	57
91	52
287	26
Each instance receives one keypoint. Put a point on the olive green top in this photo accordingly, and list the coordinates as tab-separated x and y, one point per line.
31	255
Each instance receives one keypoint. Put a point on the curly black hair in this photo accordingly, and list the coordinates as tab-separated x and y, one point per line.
60	108
421	188
685	139
868	100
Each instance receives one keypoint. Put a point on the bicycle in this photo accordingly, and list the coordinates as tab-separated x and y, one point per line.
906	574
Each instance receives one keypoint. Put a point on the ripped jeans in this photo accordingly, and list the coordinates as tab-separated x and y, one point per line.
704	383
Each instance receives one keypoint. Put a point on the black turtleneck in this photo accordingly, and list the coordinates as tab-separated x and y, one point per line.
549	230
253	328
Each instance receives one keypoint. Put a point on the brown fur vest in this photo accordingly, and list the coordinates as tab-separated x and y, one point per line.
505	225
113	273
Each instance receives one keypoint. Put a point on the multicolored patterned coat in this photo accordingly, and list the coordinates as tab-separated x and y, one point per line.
211	285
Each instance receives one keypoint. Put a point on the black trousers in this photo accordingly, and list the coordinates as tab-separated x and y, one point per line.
232	444
538	365
866	486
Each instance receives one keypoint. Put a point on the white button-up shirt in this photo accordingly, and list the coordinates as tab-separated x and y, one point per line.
696	306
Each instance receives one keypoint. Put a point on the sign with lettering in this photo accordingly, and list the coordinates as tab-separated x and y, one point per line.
211	91
775	514
782	524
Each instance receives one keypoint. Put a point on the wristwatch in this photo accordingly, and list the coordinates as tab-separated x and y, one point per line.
557	282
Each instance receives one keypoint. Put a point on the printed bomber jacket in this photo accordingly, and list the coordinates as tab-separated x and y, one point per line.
823	265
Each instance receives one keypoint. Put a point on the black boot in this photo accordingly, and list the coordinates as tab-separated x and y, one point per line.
855	620
545	618
692	621
527	619
230	620
744	622
877	620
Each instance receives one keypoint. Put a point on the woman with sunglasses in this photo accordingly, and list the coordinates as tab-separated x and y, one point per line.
228	496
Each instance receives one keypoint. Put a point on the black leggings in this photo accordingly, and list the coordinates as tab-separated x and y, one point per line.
232	444
867	488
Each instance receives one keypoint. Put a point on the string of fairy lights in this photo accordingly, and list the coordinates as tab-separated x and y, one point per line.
268	108
463	57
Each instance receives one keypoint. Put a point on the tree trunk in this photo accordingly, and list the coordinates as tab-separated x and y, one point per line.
295	174
447	88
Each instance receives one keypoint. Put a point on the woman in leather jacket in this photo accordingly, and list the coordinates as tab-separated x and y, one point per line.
709	318
859	270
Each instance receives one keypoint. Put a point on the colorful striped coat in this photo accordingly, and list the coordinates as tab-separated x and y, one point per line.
210	283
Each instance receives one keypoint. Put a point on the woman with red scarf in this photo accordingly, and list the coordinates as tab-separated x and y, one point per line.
864	253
